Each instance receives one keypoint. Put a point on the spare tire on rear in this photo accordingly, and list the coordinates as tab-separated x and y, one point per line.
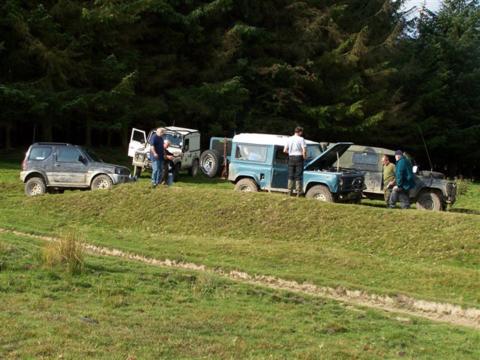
211	163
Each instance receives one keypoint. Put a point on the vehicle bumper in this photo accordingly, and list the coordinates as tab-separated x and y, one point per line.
451	193
121	179
349	196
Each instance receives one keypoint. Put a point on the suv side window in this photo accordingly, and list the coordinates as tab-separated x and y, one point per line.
67	154
39	153
280	156
251	152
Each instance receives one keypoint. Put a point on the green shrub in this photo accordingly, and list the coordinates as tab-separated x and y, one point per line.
463	186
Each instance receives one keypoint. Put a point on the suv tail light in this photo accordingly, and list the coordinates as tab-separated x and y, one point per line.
24	163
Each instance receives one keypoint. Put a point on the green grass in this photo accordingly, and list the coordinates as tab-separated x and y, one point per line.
118	309
426	255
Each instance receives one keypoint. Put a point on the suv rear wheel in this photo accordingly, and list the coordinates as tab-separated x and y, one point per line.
429	200
35	186
102	182
319	192
246	185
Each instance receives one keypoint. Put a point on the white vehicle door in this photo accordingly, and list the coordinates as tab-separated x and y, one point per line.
138	140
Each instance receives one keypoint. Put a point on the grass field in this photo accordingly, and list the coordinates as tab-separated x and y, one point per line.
434	256
126	310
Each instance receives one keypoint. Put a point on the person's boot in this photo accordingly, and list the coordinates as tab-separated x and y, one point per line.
299	188
291	186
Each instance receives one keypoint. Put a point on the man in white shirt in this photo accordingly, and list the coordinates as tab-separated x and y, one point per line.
296	148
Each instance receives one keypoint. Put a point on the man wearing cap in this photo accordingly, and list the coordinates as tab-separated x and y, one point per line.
296	148
388	178
404	181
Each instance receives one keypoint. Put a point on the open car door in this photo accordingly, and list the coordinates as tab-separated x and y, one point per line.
138	140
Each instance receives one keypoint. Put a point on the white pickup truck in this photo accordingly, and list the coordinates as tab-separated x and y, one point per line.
184	145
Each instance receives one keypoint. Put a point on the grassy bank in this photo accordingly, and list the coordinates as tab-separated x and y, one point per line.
118	309
426	255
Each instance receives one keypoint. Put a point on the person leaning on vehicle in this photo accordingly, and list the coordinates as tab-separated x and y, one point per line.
296	148
388	177
404	181
168	165
156	150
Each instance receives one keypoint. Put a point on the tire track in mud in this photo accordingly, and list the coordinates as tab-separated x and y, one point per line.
400	304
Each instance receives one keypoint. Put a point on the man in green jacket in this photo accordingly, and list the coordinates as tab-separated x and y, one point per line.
404	181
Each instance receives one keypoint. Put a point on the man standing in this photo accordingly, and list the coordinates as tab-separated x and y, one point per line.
404	180
168	165
156	151
388	178
296	148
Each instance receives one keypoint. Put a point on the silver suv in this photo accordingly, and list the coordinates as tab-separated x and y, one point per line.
54	167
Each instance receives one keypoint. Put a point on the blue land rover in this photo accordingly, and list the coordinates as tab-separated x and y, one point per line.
257	162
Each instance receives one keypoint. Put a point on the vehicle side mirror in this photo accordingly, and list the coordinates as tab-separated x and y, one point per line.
82	159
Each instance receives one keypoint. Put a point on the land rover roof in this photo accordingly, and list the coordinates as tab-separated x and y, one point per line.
265	139
181	130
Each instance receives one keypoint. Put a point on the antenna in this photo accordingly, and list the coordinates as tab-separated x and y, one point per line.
426	148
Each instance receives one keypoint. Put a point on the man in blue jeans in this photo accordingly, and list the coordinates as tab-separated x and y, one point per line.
156	152
404	181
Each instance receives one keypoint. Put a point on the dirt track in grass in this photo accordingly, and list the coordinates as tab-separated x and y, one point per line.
401	304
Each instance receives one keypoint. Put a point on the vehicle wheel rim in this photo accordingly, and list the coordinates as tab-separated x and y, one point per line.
103	184
245	188
36	189
320	197
427	203
208	163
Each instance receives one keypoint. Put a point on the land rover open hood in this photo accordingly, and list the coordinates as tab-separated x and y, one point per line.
328	157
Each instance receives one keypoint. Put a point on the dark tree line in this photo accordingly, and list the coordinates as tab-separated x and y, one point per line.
86	72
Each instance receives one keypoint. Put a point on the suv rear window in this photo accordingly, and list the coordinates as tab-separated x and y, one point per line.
251	152
39	153
68	154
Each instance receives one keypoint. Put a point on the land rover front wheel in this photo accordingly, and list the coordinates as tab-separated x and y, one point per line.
319	192
194	169
35	186
102	182
137	171
429	200
246	185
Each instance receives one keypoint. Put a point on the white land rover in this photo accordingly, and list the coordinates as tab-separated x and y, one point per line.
184	145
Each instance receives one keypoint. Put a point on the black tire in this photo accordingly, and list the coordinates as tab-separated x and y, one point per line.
246	185
320	193
137	171
102	182
429	200
35	186
210	163
193	171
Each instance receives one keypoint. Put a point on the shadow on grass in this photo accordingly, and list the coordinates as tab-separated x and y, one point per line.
465	211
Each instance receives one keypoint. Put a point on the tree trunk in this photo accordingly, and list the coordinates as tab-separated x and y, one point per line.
125	136
88	131
8	136
47	130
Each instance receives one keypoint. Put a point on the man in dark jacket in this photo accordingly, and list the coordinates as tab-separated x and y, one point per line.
156	152
404	181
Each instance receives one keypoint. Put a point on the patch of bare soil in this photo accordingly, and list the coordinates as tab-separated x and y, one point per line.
402	304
